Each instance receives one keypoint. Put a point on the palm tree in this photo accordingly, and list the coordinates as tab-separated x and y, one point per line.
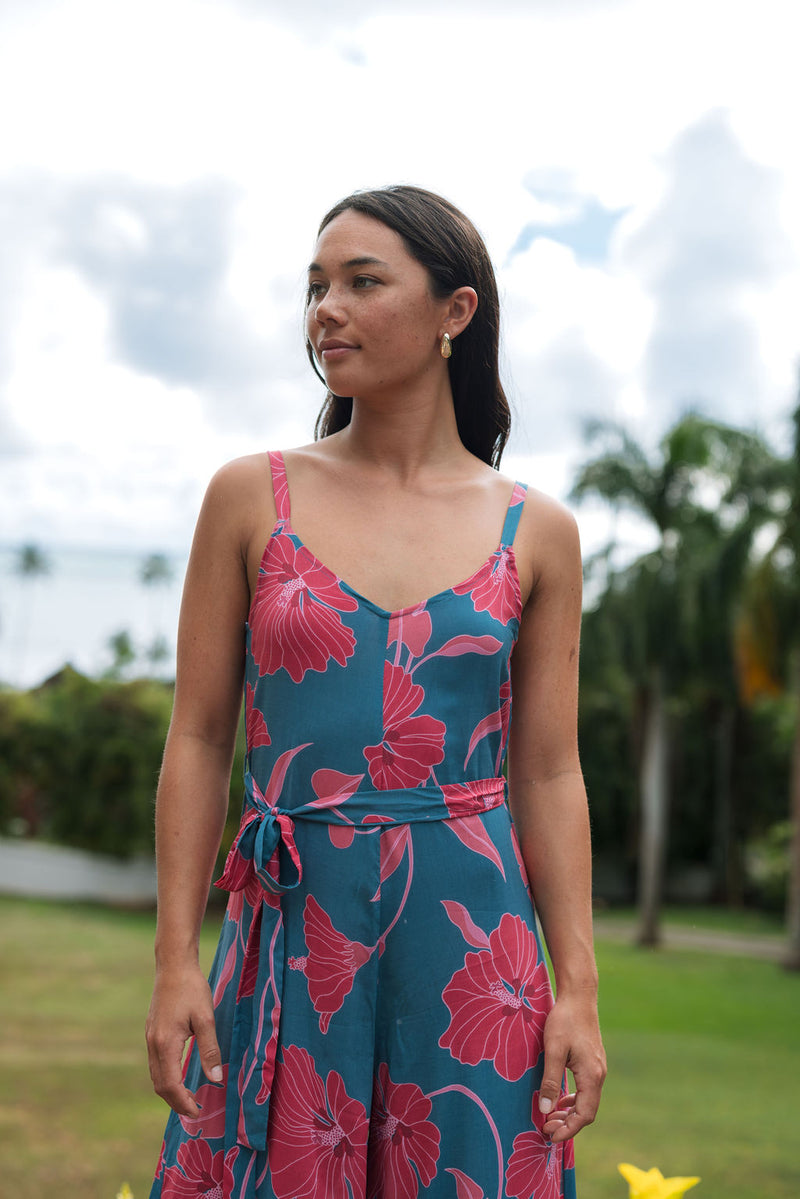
771	625
692	492
156	572
31	564
123	654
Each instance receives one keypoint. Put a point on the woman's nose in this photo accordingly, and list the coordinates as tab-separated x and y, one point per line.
329	306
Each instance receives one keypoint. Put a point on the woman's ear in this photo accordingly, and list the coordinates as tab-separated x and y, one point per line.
461	309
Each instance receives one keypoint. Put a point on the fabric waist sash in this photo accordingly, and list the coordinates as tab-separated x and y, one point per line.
257	866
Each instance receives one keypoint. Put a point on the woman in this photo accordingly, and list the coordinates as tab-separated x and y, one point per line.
379	1016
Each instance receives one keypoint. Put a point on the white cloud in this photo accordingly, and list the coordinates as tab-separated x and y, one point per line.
179	153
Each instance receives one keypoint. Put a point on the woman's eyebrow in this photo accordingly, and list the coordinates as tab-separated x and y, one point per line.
365	260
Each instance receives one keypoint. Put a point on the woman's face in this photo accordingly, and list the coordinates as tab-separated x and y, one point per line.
371	318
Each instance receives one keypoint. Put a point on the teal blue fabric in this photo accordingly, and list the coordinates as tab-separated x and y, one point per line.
379	987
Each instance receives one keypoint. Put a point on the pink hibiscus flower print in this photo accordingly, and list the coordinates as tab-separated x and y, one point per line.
536	1164
255	724
331	963
495	587
494	1002
317	1133
198	1174
295	620
411	745
401	1138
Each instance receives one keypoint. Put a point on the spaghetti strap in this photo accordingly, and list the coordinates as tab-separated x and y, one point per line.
280	487
515	506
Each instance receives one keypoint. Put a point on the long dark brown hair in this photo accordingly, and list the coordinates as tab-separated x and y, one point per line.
449	246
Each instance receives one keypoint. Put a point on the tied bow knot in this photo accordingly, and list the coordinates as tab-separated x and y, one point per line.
255	852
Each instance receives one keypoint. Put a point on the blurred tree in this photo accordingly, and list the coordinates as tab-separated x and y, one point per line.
123	654
31	564
769	646
694	494
156	574
156	570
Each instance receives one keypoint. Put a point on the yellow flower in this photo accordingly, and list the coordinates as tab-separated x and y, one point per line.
651	1184
125	1192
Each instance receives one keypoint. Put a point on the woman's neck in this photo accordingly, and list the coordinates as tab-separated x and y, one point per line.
417	433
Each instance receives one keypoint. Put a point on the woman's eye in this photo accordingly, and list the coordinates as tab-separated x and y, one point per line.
315	290
364	281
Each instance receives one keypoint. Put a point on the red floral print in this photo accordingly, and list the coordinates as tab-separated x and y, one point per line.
295	622
495	588
411	745
317	1133
255	724
331	963
497	1002
536	1164
197	1175
401	1138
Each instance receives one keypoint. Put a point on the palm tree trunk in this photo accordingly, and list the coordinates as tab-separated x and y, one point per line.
792	959
727	872
654	799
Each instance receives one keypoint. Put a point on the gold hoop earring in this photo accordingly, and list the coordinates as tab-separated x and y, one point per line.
445	346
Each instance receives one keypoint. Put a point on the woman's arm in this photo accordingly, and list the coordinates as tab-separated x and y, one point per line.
192	798
548	804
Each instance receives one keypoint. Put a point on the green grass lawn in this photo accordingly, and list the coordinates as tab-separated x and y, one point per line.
704	1059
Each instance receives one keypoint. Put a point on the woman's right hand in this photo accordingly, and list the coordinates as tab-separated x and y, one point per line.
181	1007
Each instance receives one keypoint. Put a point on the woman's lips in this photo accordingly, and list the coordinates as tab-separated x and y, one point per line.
333	353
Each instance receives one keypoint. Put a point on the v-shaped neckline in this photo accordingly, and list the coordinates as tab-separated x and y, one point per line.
284	524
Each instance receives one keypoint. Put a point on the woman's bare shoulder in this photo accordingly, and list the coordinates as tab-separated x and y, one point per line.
550	517
241	474
547	545
239	496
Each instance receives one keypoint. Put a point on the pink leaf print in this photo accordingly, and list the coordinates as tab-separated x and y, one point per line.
465	1187
492	723
317	1133
255	724
226	973
394	843
411	745
341	835
198	1173
332	789
494	1002
535	1166
401	1137
295	620
460	917
495	588
331	963
412	629
495	722
211	1098
249	973
468	645
470	831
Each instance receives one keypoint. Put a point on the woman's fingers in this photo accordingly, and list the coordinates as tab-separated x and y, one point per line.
181	1008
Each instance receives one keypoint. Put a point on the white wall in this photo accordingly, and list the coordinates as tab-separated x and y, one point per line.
55	872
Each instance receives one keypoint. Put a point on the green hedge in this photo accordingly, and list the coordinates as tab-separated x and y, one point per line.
79	762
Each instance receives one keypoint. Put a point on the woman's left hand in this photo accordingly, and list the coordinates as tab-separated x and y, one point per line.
571	1041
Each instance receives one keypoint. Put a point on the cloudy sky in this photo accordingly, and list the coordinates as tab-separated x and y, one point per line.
632	164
